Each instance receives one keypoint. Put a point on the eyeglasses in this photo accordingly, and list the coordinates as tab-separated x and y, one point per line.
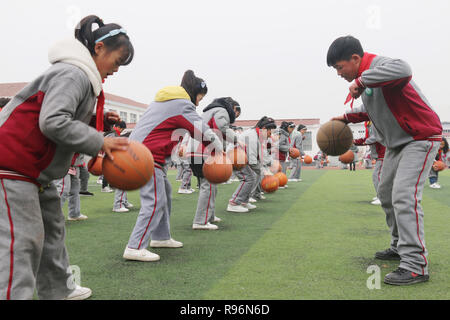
112	33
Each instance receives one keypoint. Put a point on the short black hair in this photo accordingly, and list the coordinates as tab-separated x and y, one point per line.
121	124
342	49
446	147
266	123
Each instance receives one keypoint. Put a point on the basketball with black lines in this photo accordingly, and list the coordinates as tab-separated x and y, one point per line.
131	169
334	138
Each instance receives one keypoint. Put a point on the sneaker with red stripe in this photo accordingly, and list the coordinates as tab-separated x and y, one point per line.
403	277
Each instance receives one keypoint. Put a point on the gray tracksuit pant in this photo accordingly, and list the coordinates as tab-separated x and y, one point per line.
120	199
376	174
206	204
284	165
84	179
153	221
69	188
179	171
257	189
400	192
32	250
186	176
296	169
248	179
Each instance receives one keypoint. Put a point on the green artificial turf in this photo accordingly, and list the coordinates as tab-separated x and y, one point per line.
313	240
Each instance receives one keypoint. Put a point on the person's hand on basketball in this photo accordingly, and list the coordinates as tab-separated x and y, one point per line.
110	144
340	118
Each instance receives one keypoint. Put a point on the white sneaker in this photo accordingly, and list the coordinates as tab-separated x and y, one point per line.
129	205
376	202
107	189
99	181
252	200
299	180
283	187
80	218
193	190
262	197
249	206
171	243
236	208
207	226
435	186
122	209
184	191
217	219
80	293
140	255
293	180
374	198
438	186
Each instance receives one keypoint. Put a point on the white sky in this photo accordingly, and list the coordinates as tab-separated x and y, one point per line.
268	55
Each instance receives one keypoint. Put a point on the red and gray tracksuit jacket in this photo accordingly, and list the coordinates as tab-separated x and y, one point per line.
168	119
377	150
394	103
46	122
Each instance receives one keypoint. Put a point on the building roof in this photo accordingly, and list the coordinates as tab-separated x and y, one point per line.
252	123
11	89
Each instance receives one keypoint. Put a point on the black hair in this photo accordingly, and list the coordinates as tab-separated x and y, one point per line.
4	101
300	127
284	125
446	146
342	49
85	34
193	85
232	102
266	123
121	124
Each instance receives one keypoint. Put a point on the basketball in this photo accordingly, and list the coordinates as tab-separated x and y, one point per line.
95	165
131	168
282	178
334	138
347	157
270	184
238	158
438	166
294	153
275	167
217	168
307	159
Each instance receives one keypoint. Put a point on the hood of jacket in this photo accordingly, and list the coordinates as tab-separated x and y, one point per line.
73	52
222	103
171	93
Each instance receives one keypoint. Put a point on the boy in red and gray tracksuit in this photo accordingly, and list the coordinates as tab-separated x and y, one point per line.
411	131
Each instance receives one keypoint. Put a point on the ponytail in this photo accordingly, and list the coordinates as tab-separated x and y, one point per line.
193	85
112	41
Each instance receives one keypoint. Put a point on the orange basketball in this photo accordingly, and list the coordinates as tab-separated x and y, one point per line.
307	159
294	153
131	169
217	168
238	158
282	178
270	184
275	167
334	137
438	166
347	157
95	165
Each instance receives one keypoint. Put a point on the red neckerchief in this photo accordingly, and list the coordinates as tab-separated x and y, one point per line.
117	131
366	124
99	111
366	61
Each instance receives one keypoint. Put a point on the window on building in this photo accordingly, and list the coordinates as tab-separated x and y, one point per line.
307	143
133	118
124	116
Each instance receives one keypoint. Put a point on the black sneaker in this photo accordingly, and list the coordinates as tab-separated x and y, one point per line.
403	277
86	193
387	254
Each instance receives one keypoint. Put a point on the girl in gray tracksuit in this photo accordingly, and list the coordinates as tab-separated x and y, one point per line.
411	131
219	115
283	145
297	142
41	129
253	140
165	121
